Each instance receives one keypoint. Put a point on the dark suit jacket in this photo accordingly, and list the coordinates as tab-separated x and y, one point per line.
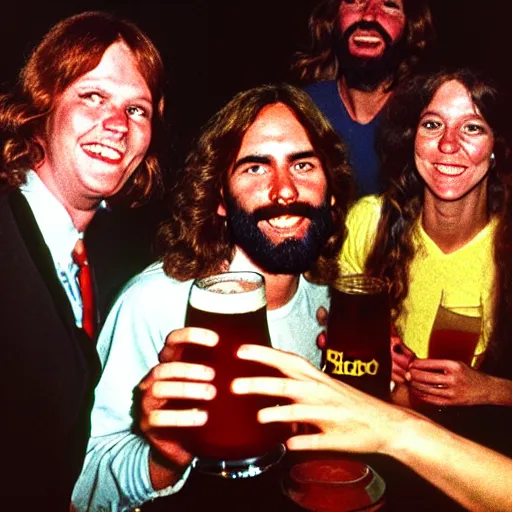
120	245
48	371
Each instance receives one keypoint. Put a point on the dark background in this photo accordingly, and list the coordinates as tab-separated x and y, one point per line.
213	49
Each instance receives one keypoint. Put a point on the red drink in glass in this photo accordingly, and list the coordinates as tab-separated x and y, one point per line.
453	344
455	334
334	485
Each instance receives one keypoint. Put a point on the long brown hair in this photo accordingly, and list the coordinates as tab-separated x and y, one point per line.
393	251
195	241
320	62
71	48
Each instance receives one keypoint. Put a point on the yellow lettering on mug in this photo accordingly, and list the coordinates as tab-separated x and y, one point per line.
356	368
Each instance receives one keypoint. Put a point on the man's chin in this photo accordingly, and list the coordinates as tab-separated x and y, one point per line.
366	69
367	74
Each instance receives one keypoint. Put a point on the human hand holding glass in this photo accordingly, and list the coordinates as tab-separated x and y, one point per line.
454	337
170	400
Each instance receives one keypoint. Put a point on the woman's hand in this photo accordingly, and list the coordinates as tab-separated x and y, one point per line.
401	357
444	382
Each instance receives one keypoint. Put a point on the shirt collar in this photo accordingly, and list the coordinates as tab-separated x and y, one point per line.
52	219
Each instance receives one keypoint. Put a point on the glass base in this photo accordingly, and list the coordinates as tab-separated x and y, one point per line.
335	485
243	468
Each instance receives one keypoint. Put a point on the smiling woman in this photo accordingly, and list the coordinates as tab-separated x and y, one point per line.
453	151
442	226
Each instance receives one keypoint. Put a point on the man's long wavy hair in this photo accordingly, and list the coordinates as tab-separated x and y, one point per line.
196	241
73	47
393	251
320	62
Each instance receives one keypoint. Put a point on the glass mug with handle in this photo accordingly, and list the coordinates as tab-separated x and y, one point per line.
232	443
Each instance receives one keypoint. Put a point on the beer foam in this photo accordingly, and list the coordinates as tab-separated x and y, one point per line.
233	287
229	296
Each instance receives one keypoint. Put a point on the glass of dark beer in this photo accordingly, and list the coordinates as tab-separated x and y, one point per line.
359	333
232	443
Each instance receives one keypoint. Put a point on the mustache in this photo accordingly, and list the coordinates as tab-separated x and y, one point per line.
276	210
368	25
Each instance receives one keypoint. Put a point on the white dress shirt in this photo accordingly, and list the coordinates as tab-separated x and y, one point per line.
60	236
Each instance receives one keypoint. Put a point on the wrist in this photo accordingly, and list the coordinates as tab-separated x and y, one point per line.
162	471
408	429
497	391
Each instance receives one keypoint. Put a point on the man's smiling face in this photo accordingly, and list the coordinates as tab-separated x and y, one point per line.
276	197
370	43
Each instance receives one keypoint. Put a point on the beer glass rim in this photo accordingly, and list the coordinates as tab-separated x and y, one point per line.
204	294
245	275
360	472
361	284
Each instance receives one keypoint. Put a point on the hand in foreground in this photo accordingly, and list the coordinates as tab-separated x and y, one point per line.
174	380
445	382
348	419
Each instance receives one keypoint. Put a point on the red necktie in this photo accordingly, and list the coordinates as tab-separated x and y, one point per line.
86	290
